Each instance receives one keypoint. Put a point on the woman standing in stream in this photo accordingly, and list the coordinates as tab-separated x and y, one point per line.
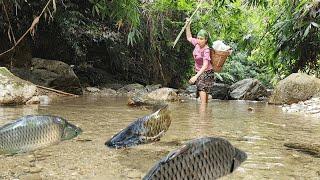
204	77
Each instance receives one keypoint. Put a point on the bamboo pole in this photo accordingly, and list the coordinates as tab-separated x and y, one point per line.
185	26
57	91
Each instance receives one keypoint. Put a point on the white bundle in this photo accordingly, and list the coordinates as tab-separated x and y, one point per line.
220	46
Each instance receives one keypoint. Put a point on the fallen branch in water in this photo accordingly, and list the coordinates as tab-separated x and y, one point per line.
57	91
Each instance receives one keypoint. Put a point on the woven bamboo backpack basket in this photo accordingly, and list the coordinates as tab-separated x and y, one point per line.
218	58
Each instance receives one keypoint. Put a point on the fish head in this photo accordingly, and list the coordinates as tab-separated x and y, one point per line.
124	138
239	158
69	130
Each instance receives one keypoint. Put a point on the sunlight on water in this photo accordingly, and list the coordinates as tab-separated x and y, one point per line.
254	127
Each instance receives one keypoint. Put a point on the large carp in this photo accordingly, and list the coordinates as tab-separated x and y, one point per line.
145	129
35	131
204	158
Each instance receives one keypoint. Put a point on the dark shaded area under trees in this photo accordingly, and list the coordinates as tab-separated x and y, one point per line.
96	48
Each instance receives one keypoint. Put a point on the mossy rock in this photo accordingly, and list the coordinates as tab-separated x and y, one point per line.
14	90
5	72
296	87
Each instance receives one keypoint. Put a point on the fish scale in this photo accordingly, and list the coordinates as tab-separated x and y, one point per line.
204	158
32	132
26	138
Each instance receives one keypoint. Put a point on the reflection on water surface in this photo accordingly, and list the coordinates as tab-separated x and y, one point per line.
257	128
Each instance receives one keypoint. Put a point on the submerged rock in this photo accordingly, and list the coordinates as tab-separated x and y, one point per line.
41	99
309	107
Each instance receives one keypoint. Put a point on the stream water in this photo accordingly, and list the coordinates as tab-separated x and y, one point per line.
257	128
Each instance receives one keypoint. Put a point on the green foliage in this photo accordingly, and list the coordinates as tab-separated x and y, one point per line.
297	34
133	35
225	20
288	40
255	3
124	13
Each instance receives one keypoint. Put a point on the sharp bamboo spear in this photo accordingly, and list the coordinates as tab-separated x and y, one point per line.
184	27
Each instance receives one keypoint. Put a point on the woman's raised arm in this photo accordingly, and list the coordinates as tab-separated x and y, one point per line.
188	30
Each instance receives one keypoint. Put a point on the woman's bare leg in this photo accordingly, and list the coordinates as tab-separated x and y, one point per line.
203	96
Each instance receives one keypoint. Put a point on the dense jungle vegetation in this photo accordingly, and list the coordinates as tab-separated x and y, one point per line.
271	39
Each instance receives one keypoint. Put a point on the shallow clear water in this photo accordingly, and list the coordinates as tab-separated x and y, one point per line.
261	133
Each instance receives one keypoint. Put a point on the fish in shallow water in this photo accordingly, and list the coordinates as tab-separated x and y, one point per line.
145	129
203	158
35	131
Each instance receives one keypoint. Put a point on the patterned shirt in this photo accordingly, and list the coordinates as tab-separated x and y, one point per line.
200	54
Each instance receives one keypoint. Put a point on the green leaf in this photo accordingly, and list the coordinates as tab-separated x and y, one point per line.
218	76
96	9
306	32
315	24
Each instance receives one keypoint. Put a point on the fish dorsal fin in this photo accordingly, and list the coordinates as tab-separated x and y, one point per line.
159	107
19	122
176	153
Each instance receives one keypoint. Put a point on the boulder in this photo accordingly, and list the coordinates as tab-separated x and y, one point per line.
55	74
296	87
92	89
220	91
142	101
155	97
150	88
131	87
51	73
248	89
191	89
108	92
164	94
189	92
14	90
33	100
